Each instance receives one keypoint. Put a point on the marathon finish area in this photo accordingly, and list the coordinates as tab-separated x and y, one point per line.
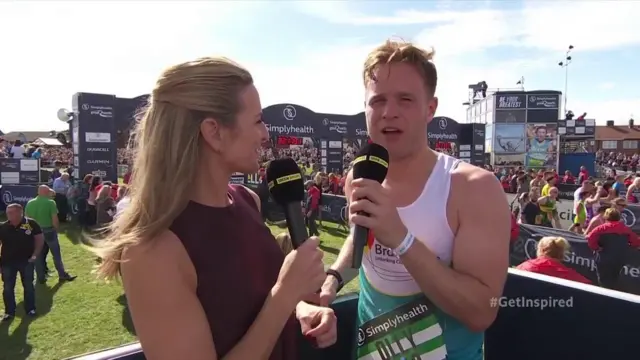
580	257
334	210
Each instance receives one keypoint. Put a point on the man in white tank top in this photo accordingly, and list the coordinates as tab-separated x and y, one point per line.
438	249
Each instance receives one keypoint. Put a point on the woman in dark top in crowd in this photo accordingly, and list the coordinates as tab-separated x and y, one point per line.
105	206
203	276
96	181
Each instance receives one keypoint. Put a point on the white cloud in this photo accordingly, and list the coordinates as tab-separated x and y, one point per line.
343	12
459	36
330	80
588	25
51	50
617	110
83	49
607	86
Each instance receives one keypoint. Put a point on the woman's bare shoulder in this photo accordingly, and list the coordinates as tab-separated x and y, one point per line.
164	253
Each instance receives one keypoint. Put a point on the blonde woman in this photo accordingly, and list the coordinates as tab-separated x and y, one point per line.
183	243
105	206
549	260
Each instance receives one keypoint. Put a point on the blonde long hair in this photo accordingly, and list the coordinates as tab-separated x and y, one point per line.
166	143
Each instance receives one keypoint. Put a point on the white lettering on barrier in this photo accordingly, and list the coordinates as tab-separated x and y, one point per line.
537	303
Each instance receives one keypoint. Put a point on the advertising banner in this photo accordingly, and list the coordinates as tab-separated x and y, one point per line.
334	157
511	160
443	129
477	155
541	145
20	194
19	171
510	138
543	101
296	120
510	116
542	116
96	136
580	257
294	123
511	101
543	108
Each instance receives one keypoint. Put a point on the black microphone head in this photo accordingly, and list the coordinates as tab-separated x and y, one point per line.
371	162
285	181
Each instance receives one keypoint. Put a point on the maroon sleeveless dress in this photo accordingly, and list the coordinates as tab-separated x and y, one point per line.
237	262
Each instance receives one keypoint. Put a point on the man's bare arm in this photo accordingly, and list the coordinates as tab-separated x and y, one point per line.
346	252
480	256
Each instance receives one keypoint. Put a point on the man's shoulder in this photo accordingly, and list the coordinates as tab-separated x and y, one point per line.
470	175
470	183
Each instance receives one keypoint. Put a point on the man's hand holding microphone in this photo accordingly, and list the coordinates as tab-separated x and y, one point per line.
370	209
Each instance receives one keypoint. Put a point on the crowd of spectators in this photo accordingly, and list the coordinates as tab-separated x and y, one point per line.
618	160
47	154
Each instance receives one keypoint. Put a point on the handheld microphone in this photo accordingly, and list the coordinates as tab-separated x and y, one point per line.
371	162
287	189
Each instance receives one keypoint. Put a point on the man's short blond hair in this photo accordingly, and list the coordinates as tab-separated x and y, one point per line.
395	51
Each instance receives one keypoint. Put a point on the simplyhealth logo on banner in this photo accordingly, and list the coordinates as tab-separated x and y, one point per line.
289	129
8	198
99	110
543	101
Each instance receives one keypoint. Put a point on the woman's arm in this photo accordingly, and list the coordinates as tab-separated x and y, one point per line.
593	200
592	225
160	284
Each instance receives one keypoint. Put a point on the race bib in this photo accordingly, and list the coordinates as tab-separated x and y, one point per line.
408	332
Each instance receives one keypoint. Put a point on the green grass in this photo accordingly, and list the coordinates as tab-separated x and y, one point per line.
87	315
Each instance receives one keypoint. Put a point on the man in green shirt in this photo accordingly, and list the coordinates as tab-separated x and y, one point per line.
43	210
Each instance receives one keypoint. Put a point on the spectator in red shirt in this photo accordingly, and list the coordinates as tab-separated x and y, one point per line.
334	184
568	178
555	176
611	243
583	175
127	177
550	253
515	228
314	193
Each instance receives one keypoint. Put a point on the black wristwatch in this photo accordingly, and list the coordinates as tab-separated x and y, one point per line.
335	274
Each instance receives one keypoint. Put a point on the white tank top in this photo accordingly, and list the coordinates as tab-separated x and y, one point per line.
426	219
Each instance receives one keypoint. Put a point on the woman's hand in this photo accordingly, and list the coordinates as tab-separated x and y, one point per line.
318	324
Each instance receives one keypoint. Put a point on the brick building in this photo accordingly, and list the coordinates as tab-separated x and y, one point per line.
624	139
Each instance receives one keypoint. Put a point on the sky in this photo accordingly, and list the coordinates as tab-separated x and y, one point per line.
311	53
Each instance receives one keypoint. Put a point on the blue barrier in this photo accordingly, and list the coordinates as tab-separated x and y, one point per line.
599	324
